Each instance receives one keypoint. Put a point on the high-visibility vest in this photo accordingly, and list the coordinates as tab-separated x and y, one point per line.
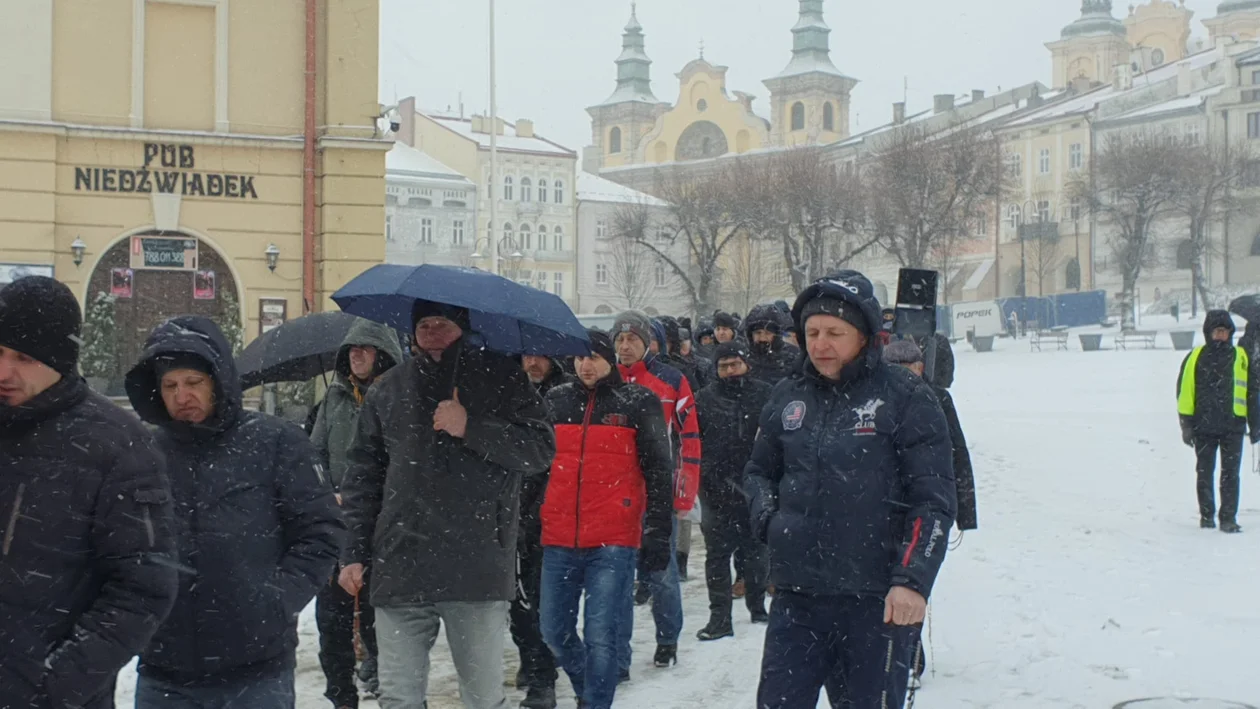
1186	401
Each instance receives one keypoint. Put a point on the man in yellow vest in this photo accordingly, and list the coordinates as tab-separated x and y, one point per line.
1217	400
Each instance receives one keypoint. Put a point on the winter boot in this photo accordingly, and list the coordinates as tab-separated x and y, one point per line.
623	676
738	590
682	566
760	617
666	656
540	698
1207	523
1230	527
371	683
717	629
642	594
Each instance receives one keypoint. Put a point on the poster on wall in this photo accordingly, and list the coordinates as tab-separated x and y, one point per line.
272	313
10	272
203	285
122	282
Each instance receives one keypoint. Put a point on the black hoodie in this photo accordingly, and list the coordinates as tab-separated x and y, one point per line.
257	527
774	361
1214	385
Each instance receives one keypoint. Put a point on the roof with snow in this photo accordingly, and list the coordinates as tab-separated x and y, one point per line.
402	160
508	142
1174	105
593	188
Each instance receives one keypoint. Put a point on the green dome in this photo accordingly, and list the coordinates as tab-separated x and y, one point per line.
1096	19
1237	6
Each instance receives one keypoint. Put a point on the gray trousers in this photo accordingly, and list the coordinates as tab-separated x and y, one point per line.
475	633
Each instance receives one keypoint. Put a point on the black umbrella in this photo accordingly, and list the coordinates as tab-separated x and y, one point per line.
1248	307
296	351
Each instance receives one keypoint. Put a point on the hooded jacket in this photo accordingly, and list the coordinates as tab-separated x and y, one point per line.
257	528
436	517
851	481
774	361
85	547
1214	386
339	414
728	411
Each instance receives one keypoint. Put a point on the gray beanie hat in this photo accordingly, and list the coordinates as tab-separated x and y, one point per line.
635	323
903	352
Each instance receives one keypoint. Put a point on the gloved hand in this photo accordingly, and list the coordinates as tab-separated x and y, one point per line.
1187	436
655	553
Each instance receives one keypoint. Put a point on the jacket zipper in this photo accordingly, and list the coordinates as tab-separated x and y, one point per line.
11	527
586	424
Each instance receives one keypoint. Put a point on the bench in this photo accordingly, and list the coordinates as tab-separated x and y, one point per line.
1058	338
1136	337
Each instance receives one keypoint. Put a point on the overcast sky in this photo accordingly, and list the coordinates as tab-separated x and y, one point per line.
555	57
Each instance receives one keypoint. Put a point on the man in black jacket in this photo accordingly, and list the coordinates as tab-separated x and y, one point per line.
772	358
1217	402
257	528
729	410
432	499
725	327
538	666
85	550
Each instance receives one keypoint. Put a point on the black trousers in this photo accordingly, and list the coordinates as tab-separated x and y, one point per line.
334	615
728	533
1231	449
538	665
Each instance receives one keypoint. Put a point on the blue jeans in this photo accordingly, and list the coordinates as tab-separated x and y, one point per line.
274	692
666	607
606	574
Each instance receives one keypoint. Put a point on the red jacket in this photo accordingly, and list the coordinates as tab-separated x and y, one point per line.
679	407
612	465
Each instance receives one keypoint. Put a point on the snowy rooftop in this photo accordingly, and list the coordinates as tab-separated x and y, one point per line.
508	142
1180	103
593	188
402	160
811	63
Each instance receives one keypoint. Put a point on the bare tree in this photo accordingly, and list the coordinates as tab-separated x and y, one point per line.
632	267
1132	184
1041	257
924	189
753	274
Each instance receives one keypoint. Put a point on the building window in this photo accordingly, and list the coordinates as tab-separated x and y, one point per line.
1043	210
527	239
507	236
1076	156
559	192
660	275
527	190
829	117
542	191
507	188
1253	125
1043	162
1012	215
559	239
542	237
1074	210
662	235
702	105
982	224
457	233
1014	164
1185	255
557	283
601	229
601	274
798	116
426	231
389	227
614	141
1192	133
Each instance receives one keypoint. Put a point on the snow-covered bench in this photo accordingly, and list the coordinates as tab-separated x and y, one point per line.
1058	338
1136	337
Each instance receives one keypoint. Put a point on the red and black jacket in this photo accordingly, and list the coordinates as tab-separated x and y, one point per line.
612	464
679	408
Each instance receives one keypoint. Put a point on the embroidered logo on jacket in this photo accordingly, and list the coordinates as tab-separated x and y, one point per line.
866	417
616	420
793	415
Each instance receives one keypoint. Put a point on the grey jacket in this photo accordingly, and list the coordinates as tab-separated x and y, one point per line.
437	517
339	414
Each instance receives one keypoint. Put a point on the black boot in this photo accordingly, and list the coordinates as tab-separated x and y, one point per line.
682	566
759	617
1207	523
623	676
1230	527
717	629
540	698
666	656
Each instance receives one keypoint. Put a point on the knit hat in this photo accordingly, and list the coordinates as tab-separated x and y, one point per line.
180	360
428	309
721	319
827	305
734	348
602	346
635	323
903	352
40	318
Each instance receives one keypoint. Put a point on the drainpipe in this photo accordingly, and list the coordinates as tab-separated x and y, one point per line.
308	167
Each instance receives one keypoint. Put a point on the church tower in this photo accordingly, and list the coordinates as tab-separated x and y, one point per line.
809	100
1159	32
1234	18
1090	47
619	122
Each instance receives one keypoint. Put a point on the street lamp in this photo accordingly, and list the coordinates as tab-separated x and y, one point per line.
273	257
77	249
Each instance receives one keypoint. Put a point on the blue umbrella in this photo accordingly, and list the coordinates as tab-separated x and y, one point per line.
507	316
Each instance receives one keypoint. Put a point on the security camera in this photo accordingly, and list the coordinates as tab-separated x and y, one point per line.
395	126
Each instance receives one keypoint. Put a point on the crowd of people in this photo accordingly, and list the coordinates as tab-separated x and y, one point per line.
486	494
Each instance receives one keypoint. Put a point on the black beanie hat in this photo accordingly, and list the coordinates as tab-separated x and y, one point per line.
844	310
181	360
734	348
427	309
721	319
40	318
601	344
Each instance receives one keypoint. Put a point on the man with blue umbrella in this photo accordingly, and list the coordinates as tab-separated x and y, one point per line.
431	497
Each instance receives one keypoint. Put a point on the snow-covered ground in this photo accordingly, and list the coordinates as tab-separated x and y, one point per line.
1088	584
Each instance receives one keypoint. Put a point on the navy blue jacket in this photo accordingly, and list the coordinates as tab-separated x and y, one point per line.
851	483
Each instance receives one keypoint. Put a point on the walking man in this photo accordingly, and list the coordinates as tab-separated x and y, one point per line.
257	528
432	500
368	351
772	358
611	487
81	476
1217	402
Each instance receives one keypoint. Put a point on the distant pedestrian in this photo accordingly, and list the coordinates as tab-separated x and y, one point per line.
86	552
725	327
772	358
851	484
1217	402
256	522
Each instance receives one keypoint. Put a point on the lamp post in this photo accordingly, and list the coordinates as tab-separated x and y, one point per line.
494	152
77	249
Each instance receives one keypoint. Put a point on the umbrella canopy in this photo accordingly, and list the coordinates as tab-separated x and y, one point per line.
509	318
1247	306
298	350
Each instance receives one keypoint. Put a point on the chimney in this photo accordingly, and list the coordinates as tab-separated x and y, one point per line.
942	103
977	95
479	124
899	113
524	128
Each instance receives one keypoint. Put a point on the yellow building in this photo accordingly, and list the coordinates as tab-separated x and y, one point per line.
156	150
1089	49
1239	19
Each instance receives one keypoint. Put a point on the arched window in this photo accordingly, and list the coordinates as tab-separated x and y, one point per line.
527	190
1185	255
558	241
507	237
542	237
1073	275
798	116
507	188
559	192
829	117
527	239
542	190
614	141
